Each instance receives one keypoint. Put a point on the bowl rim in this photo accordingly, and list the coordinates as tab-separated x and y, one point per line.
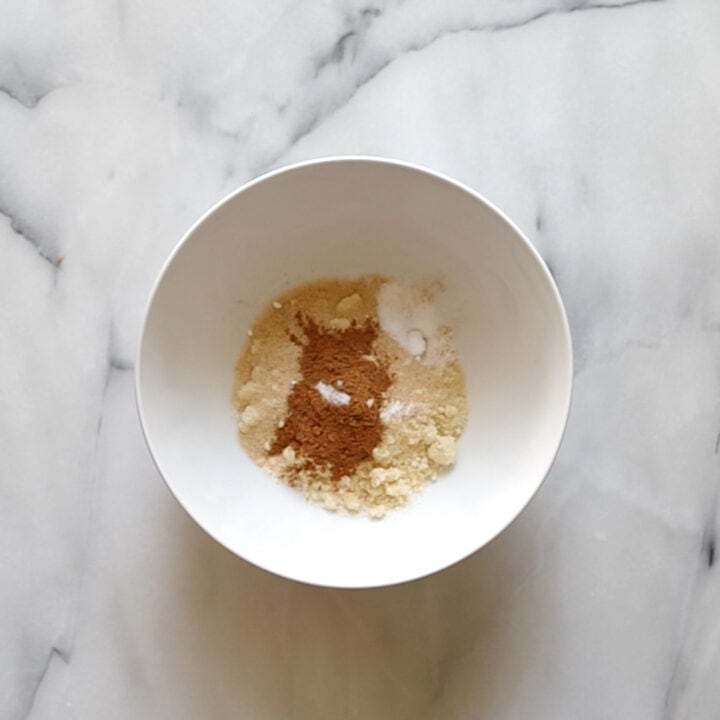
374	160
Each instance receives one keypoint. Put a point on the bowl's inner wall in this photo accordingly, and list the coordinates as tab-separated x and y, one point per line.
348	218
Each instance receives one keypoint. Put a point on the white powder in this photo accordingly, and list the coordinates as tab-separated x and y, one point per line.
416	342
396	410
408	316
332	395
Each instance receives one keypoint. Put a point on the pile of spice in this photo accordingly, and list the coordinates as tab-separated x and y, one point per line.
351	390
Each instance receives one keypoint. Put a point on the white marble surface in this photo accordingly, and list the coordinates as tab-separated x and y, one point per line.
594	123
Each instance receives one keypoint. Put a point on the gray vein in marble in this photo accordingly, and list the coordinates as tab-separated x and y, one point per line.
29	236
539	221
56	654
353	53
347	46
24	95
115	365
677	680
121	365
670	693
116	362
17	85
709	546
500	27
692	613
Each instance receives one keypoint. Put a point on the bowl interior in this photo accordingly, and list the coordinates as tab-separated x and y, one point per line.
347	218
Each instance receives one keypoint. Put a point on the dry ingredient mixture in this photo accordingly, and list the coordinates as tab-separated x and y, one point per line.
351	390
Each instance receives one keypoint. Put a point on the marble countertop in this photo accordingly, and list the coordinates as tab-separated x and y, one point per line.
595	124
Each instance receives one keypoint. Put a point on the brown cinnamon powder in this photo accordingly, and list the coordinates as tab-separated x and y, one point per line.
331	435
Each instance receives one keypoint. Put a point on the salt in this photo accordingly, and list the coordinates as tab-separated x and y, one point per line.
396	410
331	394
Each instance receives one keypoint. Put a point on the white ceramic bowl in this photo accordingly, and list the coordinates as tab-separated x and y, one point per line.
348	217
